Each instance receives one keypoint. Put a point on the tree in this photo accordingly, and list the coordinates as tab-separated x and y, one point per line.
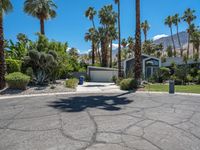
169	51
192	28
145	27
91	35
113	36
41	9
138	65
108	18
189	17
131	46
119	39
176	20
5	7
169	23
195	39
90	13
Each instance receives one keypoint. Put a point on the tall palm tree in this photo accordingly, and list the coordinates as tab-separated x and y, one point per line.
138	65
195	39
91	35
113	36
5	7
119	38
176	20
90	13
189	17
145	27
108	18
41	9
169	23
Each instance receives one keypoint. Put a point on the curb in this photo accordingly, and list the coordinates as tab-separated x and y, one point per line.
103	92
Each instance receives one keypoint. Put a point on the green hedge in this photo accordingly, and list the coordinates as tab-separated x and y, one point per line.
17	80
71	83
128	84
13	65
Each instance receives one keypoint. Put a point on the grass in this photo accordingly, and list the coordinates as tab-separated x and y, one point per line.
178	88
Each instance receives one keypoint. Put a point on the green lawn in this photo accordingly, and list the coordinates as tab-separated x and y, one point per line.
178	88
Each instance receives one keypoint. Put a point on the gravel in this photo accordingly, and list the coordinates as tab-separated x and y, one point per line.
51	88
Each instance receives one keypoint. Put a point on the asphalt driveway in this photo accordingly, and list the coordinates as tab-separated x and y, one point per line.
101	122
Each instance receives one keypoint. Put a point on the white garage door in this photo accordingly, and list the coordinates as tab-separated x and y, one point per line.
102	76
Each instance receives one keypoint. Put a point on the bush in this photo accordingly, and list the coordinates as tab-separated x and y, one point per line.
114	79
128	84
71	83
17	80
13	65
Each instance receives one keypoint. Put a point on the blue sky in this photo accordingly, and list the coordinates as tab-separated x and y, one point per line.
70	24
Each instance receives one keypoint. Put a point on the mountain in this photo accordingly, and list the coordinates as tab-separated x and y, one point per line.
166	41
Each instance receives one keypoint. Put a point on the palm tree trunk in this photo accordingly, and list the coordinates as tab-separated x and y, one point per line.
188	49
110	53
173	42
145	36
42	26
119	44
138	65
93	24
2	59
99	54
93	55
179	41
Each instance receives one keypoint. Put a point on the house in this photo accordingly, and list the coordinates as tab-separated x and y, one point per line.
180	62
150	65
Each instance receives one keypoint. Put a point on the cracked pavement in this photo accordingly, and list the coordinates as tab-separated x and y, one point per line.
126	121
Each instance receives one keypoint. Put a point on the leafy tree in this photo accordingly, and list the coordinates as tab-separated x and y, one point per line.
41	9
5	7
169	23
189	17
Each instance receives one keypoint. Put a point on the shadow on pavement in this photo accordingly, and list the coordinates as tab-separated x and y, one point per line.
80	103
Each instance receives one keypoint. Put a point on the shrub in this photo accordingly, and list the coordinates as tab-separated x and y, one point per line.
13	65
114	79
128	84
17	80
71	83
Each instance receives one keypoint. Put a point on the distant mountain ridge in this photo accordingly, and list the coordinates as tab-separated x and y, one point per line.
167	41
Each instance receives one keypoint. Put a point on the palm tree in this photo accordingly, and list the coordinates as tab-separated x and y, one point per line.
90	13
169	23
5	7
176	20
192	29
91	35
138	65
119	38
131	45
195	39
189	17
145	27
108	18
41	9
113	36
